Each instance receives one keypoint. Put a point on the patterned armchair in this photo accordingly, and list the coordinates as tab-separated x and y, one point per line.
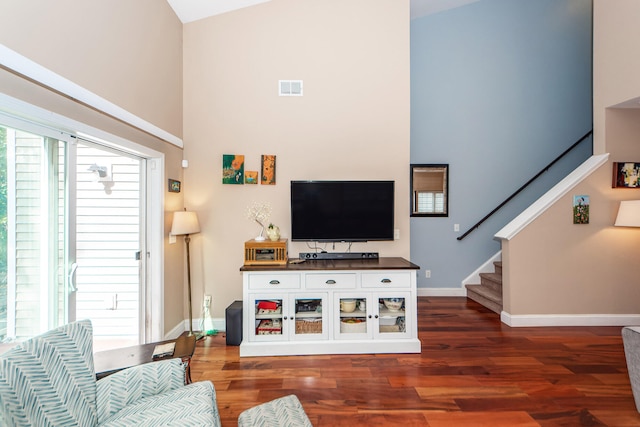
50	381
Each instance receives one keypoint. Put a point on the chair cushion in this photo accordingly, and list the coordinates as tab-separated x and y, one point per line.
191	405
49	380
283	412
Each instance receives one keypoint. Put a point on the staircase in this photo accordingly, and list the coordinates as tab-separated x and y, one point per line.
489	292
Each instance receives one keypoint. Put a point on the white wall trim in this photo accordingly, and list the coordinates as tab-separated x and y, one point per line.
487	267
545	320
442	292
219	324
589	166
28	68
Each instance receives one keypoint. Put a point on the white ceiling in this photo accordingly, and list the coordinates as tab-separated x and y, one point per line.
192	10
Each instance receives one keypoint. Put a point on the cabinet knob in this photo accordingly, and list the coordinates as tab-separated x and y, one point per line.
330	282
274	282
376	316
385	281
285	317
370	316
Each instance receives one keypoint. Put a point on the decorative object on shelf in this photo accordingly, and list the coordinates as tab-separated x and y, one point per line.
626	175
393	304
174	186
581	209
251	177
259	212
273	232
232	169
268	176
265	252
347	305
186	223
628	214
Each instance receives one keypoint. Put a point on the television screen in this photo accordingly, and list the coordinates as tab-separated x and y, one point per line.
342	211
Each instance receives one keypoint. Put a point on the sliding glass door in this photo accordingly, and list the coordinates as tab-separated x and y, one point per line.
71	235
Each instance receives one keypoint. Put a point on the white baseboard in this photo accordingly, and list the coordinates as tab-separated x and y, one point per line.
218	324
442	292
526	320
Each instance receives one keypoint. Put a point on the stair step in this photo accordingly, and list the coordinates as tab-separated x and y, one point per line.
492	280
485	296
497	266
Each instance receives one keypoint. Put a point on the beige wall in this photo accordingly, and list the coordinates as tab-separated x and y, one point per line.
554	266
615	60
129	52
351	123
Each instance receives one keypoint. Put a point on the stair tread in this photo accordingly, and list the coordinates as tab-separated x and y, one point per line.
486	292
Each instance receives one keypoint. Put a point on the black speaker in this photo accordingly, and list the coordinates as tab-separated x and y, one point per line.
233	319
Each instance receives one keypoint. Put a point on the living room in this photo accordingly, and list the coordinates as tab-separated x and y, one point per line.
213	85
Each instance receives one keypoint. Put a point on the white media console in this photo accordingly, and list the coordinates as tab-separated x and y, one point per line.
330	307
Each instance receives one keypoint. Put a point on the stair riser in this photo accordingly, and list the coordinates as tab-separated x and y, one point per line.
497	287
496	308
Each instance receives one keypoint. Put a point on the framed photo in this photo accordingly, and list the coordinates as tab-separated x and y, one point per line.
581	209
626	174
174	186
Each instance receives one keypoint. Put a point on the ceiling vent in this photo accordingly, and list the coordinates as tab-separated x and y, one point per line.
290	87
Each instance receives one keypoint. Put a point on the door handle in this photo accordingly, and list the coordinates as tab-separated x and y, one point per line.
71	278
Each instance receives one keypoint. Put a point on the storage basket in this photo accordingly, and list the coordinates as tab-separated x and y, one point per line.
308	326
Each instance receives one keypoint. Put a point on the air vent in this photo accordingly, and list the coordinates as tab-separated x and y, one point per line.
290	87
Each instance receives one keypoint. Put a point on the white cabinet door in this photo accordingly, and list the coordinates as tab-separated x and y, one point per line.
394	315
309	316
352	317
268	317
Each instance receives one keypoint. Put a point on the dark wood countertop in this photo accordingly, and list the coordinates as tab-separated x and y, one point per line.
383	263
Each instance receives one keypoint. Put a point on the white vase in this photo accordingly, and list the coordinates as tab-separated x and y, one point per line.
273	233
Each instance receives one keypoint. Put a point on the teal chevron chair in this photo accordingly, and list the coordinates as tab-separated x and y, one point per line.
50	381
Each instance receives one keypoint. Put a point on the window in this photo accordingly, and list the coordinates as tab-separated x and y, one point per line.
429	190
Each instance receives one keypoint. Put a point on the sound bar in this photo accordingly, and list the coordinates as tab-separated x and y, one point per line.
339	255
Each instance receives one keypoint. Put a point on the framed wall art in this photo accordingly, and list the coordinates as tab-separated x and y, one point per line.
581	209
625	175
232	169
268	175
174	186
251	177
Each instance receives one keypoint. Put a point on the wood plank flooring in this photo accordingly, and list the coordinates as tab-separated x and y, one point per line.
473	371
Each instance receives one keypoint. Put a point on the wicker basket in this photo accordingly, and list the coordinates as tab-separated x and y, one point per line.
308	326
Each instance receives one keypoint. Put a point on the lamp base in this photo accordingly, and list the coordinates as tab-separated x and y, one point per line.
197	334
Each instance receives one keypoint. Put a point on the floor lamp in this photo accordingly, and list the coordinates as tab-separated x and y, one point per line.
186	223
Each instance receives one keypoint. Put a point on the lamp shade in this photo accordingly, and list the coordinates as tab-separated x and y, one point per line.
628	214
185	223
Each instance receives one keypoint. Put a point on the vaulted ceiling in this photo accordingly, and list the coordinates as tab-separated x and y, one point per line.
193	10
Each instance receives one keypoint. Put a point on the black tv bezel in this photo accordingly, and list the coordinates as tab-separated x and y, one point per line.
389	237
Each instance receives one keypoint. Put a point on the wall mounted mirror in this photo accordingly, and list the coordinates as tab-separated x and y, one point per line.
430	190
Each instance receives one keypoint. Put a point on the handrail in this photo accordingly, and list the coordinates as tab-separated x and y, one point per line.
508	199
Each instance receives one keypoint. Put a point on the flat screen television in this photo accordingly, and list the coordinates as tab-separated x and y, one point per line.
342	211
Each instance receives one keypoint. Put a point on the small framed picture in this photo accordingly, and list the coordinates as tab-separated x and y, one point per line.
250	177
581	209
625	175
174	186
268	175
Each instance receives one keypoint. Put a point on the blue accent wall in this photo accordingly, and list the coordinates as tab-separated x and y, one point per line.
499	89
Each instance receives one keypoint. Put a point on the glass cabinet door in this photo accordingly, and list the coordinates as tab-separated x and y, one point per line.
268	316
392	314
309	317
351	316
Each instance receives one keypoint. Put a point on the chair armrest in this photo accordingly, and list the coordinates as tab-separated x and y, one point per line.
129	385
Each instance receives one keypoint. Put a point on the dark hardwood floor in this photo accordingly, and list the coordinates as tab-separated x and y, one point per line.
473	371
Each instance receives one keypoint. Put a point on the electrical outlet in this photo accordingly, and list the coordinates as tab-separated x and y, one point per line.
396	234
456	227
207	300
427	274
